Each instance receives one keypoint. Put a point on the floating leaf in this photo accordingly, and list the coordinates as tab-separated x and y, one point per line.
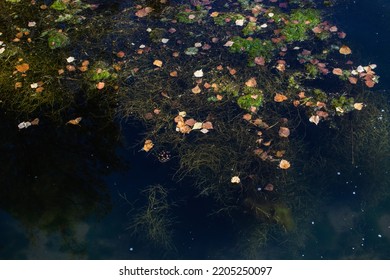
247	117
24	125
352	80
24	67
196	89
284	132
100	85
143	12
314	119
251	82
284	164
280	97
173	74
198	125
198	73
120	54
148	145
35	121
358	106
235	180
370	83
207	125
75	121
337	71
345	50
158	63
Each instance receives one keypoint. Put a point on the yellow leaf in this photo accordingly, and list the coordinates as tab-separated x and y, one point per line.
284	164
345	50
148	145
158	63
358	106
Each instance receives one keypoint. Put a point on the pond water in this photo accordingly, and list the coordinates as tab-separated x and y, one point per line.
75	191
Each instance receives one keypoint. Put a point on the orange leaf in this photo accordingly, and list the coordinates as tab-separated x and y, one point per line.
284	164
280	97
148	145
345	50
251	82
337	71
75	121
196	90
22	67
173	74
158	63
100	85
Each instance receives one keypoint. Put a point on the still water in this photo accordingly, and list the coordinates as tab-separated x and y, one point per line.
71	195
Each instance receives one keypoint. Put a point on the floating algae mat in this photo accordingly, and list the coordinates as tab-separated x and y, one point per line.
249	110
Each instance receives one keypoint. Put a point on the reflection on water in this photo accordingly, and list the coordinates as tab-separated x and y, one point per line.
75	191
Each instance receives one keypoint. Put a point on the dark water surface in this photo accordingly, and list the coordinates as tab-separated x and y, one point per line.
76	201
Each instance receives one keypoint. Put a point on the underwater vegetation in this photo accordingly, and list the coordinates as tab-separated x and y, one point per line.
227	91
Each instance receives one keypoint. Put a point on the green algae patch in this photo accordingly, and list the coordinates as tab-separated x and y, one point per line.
252	47
56	39
300	23
251	99
224	18
59	5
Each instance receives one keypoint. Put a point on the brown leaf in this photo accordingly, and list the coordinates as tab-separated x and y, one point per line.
284	132
207	125
143	12
75	121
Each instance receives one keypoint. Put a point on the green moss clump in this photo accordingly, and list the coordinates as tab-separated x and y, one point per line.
58	5
190	17
252	98
300	22
56	39
156	35
222	17
250	29
253	48
311	71
99	72
343	104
